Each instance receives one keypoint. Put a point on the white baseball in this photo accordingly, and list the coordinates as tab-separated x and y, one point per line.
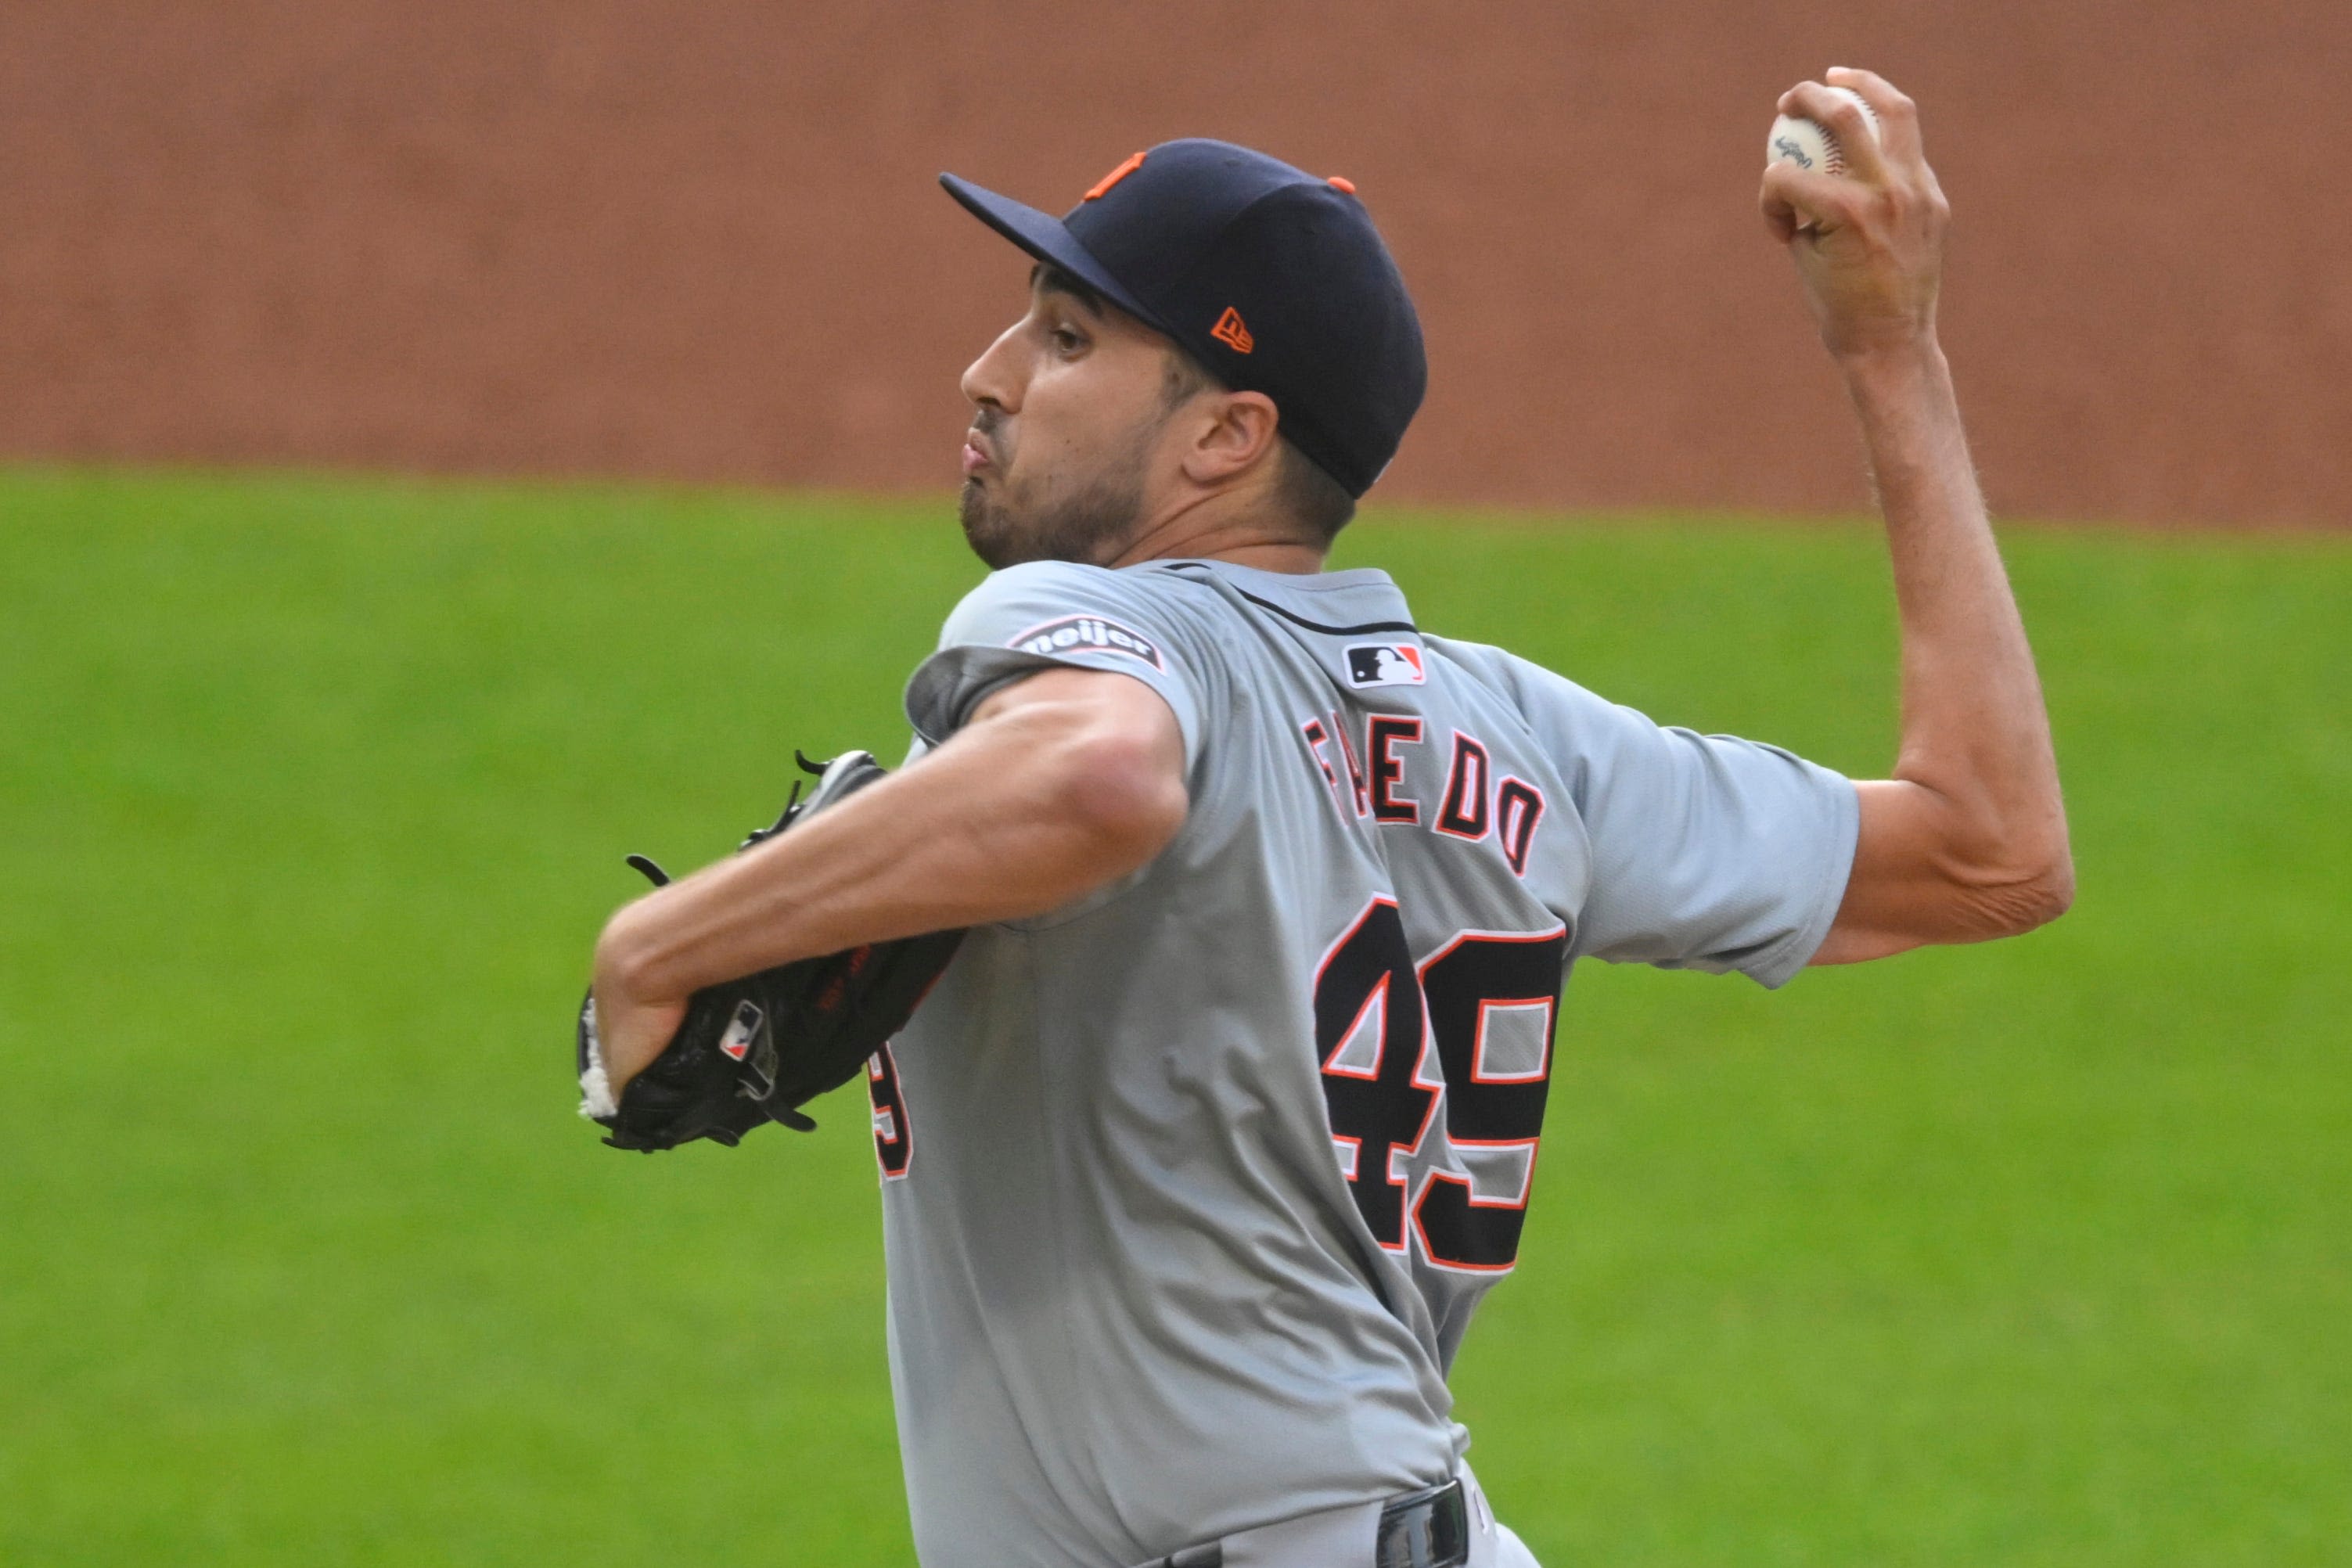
1809	144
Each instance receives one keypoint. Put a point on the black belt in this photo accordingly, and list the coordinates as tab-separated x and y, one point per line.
1427	1529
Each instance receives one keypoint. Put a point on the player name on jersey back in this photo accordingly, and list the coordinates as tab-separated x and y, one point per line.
1472	806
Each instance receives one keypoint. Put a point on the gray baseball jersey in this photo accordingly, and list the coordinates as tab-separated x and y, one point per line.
1191	1188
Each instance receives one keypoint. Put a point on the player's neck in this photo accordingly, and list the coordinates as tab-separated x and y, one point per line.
1243	527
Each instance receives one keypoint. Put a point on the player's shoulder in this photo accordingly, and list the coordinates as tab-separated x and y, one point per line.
1040	590
1514	676
1031	577
1033	580
1047	582
1572	723
1065	610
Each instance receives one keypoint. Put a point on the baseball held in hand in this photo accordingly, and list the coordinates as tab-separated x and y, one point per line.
1809	144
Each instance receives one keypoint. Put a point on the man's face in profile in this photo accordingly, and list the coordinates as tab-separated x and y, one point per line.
1068	406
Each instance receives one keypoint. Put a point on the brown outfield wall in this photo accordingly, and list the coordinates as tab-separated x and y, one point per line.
702	240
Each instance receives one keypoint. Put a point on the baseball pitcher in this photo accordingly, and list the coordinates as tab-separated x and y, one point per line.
1220	1118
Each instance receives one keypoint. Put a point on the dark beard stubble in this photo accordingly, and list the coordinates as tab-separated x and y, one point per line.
1086	523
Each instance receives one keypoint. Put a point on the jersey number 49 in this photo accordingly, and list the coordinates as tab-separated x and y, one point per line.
1379	1017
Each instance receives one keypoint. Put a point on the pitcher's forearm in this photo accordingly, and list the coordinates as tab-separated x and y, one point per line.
1975	730
1038	802
881	865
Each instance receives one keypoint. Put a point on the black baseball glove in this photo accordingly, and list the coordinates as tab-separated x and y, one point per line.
758	1048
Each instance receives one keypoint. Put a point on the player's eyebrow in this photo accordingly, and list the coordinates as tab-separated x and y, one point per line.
1046	280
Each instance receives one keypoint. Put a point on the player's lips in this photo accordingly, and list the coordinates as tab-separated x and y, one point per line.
975	456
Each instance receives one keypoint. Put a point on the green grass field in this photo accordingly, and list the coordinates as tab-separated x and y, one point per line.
313	794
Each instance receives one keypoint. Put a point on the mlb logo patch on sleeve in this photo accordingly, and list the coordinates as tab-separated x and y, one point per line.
1088	633
1385	663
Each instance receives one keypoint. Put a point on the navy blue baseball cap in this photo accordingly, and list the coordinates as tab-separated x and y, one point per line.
1274	279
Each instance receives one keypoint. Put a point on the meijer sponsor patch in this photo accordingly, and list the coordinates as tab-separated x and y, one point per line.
1385	663
1089	632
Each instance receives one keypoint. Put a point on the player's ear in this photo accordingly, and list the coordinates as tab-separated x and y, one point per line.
1236	434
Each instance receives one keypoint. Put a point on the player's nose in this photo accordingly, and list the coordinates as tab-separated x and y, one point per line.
992	377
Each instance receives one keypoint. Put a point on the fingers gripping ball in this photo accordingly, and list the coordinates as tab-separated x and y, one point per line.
1809	144
755	1050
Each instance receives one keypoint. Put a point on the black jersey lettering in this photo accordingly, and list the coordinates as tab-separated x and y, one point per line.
1463	813
1355	764
1387	733
1518	807
1493	1001
1369	1039
894	1140
1486	1005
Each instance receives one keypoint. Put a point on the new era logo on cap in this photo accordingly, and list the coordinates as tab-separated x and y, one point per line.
1385	663
1230	332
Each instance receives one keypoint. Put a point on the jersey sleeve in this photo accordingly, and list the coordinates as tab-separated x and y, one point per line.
1709	852
1048	614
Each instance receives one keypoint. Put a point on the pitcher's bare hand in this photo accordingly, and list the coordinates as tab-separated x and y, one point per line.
1868	243
632	1029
